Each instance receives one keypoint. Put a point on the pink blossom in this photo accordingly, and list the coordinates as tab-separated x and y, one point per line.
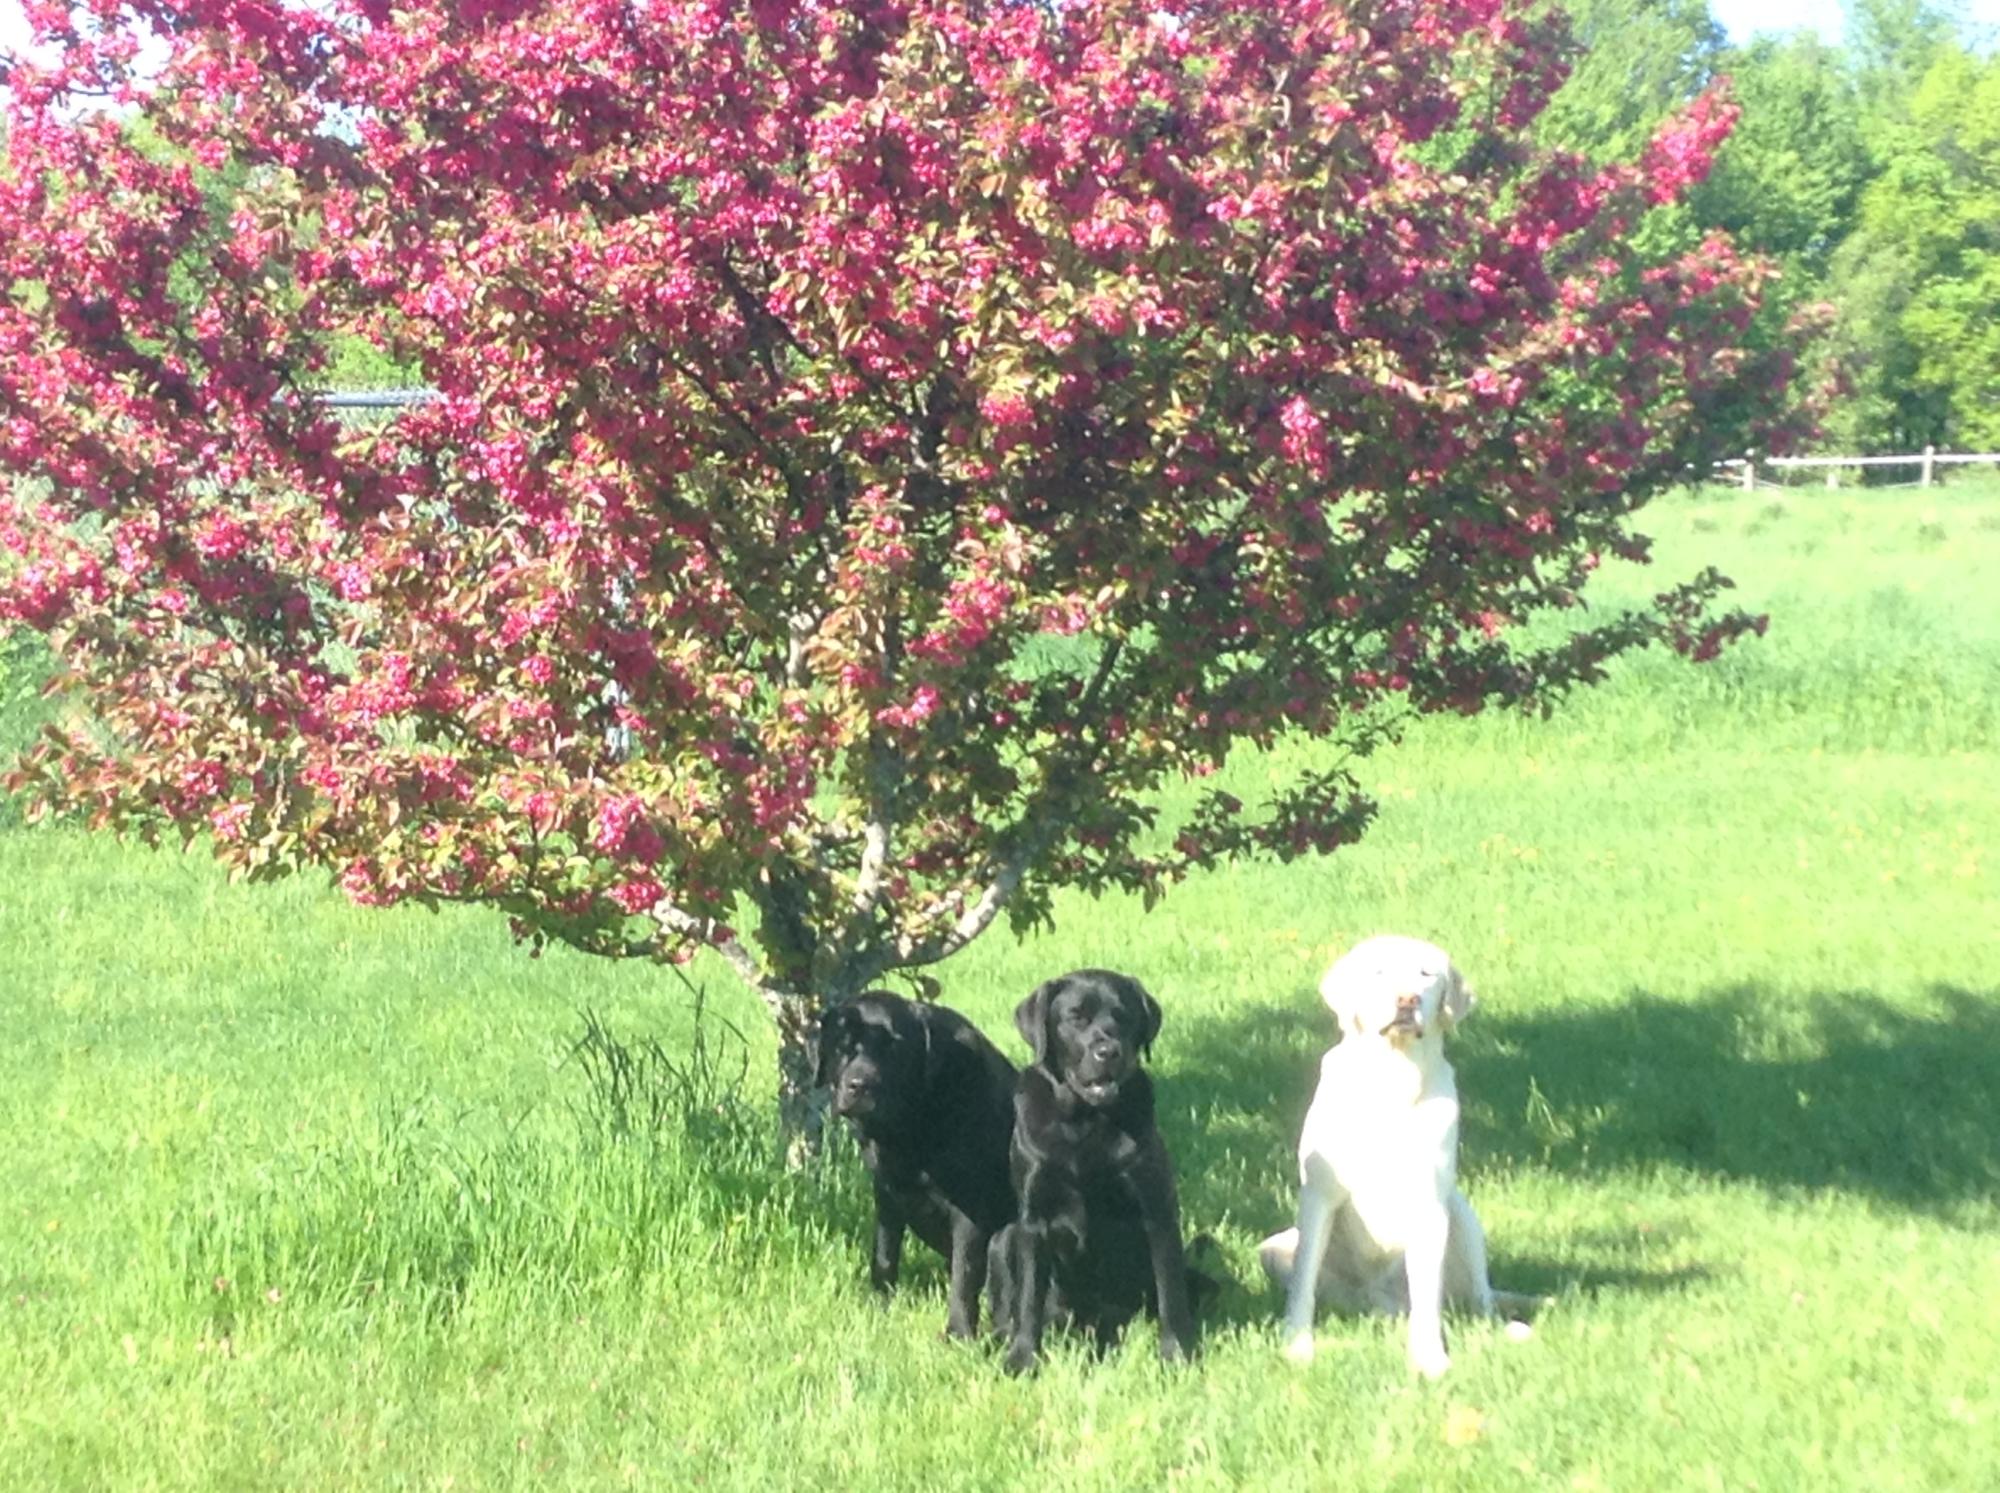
350	582
1007	412
615	818
221	536
922	704
1305	434
363	885
640	894
540	809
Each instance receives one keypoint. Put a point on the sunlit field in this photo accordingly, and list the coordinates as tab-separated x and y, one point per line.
299	1195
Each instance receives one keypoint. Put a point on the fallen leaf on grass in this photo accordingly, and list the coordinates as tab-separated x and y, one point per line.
1463	1425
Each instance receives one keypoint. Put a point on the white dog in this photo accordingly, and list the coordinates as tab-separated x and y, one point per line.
1382	1225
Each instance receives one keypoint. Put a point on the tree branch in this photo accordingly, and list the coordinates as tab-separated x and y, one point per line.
884	773
1038	830
885	781
977	918
667	915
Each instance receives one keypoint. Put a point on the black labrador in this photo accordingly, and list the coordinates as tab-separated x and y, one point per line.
932	1103
1099	1233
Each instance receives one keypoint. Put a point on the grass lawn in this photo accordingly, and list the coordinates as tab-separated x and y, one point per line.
298	1195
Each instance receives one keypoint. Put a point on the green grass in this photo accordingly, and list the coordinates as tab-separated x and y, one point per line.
296	1195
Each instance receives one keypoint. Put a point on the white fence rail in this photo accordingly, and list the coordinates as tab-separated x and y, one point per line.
1927	462
374	399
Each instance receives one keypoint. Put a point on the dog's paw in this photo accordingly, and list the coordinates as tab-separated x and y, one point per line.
1276	1254
1430	1362
1299	1347
1020	1359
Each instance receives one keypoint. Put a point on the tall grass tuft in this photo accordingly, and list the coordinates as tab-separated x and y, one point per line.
639	1089
648	1163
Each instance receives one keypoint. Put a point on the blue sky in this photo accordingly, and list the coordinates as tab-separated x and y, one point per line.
1743	19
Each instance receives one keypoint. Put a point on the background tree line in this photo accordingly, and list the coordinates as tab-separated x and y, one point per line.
1870	170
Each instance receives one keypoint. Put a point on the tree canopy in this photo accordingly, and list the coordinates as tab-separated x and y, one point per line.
875	446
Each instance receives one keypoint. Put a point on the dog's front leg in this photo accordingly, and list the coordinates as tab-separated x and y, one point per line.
1001	1290
969	1244
1028	1284
1162	1216
1423	1264
1465	1280
885	1260
1319	1198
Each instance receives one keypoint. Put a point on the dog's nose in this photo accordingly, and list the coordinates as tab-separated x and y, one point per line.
1105	1050
1409	1016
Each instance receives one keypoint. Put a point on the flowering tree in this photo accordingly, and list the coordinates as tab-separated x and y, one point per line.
876	445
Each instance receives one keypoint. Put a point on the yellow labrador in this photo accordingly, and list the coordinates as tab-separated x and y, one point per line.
1382	1225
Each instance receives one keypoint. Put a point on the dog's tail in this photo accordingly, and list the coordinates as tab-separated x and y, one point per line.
1204	1288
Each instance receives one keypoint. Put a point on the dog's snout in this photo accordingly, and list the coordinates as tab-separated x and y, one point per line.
1409	1017
1107	1049
857	1084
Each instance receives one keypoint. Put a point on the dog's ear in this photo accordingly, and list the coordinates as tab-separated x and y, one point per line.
1459	998
1150	1016
832	1021
1341	988
1031	1017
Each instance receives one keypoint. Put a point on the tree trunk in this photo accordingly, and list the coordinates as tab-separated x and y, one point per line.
801	1106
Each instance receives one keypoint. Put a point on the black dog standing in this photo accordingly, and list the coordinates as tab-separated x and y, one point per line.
932	1103
1099	1233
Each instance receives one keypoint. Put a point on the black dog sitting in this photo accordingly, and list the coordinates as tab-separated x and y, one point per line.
1099	1233
932	1103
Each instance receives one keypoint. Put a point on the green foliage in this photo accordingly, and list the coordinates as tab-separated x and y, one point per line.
1787	181
357	363
1894	43
24	665
1920	276
1870	171
1950	221
1640	61
1784	183
306	1196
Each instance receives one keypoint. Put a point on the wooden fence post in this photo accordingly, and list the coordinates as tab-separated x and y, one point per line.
1925	480
1750	471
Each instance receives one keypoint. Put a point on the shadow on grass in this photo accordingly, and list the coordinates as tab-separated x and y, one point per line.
1837	1090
